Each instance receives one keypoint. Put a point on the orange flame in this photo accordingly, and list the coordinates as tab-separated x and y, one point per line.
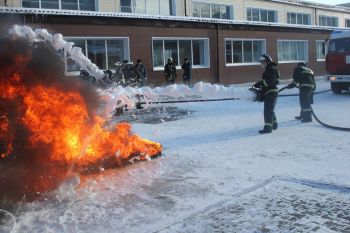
58	119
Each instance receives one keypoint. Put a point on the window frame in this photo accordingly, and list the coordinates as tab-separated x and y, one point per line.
296	14
133	10
317	55
328	17
262	9
163	39
294	61
211	5
347	23
85	39
96	5
242	40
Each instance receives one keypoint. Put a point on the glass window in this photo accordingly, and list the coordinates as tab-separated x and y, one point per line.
125	6
196	10
87	5
347	23
115	52
49	4
158	55
320	50
69	4
339	45
215	12
170	50
97	52
31	3
228	51
185	50
328	21
292	51
195	49
261	15
209	10
272	16
225	12
244	51
198	52
205	11
237	51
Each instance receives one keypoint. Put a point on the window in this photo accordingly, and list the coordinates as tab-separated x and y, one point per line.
151	7
261	15
103	52
209	10
84	5
339	45
328	21
320	50
347	23
244	51
292	50
197	50
298	18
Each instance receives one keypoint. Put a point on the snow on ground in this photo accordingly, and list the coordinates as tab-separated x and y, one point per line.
217	174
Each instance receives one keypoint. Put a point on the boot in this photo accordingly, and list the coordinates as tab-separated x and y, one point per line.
274	126
266	129
298	118
306	120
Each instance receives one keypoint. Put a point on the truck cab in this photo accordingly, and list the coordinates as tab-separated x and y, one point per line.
338	60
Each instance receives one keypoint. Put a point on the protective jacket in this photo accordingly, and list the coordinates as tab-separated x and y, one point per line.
270	79
304	76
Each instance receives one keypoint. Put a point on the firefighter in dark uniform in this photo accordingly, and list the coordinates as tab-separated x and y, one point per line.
170	72
268	87
187	67
140	72
304	76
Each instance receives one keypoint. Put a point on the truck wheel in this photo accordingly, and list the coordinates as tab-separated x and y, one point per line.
336	88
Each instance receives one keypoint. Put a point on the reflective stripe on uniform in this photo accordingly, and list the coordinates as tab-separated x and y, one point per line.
265	83
307	85
272	90
306	110
268	124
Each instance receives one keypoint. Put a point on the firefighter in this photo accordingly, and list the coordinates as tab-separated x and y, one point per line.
268	87
304	76
187	67
170	72
140	72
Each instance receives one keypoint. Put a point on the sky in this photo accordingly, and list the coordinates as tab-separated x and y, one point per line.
333	2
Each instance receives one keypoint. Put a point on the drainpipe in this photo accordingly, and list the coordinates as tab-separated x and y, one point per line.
217	54
185	3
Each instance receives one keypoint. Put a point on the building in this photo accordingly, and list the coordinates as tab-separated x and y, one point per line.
223	39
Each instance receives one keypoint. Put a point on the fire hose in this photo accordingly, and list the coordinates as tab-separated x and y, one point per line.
313	113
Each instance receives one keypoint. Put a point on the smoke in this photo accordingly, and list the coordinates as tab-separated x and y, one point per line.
27	170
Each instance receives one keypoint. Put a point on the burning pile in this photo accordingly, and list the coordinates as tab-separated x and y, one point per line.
49	123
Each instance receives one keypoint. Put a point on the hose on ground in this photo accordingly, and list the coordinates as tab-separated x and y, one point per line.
314	115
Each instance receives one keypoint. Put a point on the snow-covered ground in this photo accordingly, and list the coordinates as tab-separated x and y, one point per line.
217	174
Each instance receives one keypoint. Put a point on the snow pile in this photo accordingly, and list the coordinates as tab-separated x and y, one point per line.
58	43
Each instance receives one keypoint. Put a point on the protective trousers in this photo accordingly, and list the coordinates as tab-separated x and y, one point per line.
269	108
306	99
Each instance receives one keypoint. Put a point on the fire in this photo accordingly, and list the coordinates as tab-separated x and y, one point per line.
60	123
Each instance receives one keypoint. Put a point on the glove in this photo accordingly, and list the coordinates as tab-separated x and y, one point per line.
291	85
258	84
